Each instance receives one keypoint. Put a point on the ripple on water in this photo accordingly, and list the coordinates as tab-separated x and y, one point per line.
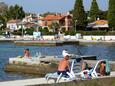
8	50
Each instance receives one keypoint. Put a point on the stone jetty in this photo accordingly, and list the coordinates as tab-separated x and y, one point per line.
45	42
39	66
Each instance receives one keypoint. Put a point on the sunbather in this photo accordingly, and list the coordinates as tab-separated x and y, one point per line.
85	66
63	66
102	68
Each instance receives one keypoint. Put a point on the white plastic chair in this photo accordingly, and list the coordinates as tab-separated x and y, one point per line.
93	72
75	70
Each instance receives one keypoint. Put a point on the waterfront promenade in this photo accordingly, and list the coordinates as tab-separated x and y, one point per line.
67	37
49	40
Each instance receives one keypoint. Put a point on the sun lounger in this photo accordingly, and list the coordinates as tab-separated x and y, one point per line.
94	72
74	71
77	73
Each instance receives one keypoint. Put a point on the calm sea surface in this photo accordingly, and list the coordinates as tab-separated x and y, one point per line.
8	49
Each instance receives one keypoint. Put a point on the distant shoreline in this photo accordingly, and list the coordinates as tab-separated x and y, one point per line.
95	42
56	42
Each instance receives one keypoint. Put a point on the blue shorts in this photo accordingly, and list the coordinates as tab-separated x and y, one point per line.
64	73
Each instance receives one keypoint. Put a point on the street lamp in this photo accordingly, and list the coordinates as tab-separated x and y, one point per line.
22	28
75	25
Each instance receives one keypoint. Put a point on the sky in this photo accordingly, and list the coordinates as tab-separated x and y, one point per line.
61	6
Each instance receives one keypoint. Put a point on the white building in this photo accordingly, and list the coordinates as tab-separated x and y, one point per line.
27	19
14	24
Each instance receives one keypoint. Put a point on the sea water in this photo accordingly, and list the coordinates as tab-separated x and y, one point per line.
9	49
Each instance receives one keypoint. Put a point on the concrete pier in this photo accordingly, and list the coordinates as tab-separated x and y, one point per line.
24	82
45	42
46	65
43	82
60	42
40	69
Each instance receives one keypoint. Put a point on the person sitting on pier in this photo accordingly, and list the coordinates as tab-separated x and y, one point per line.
85	66
63	66
26	53
102	68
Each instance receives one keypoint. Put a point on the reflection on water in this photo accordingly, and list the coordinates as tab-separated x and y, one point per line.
8	49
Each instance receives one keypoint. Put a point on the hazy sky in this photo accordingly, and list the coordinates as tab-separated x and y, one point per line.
41	6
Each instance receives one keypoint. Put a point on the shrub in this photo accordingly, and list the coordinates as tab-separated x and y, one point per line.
70	32
17	32
29	31
111	33
92	32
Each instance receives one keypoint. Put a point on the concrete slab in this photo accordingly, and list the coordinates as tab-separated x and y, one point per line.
36	81
24	82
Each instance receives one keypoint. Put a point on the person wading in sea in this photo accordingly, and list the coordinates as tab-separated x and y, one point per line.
26	53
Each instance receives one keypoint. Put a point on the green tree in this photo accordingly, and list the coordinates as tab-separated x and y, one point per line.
94	10
55	26
111	14
3	8
79	16
2	22
21	13
15	12
12	12
45	31
47	13
102	15
29	31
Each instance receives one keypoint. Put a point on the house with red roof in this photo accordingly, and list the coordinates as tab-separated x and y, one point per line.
17	24
64	20
30	25
98	25
14	24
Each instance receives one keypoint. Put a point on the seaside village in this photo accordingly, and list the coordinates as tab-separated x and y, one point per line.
53	29
63	21
37	21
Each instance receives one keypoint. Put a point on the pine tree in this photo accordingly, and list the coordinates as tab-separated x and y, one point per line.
79	15
111	14
94	10
15	12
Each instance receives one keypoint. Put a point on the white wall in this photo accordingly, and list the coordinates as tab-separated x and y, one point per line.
12	26
51	37
99	37
48	37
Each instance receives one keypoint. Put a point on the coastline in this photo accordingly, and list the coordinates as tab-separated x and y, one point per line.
22	42
91	82
50	41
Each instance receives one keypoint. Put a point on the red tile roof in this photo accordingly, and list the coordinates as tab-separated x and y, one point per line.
101	22
14	21
30	25
53	17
